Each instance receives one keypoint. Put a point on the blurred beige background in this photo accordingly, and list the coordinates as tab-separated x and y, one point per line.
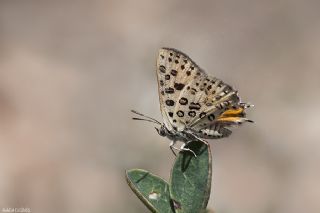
70	71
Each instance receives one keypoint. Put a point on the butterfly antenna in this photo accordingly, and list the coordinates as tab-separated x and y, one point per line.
143	119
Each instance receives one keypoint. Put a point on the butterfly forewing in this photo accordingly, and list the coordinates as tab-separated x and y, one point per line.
175	71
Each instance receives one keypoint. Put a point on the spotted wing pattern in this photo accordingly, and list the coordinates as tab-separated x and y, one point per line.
175	71
189	98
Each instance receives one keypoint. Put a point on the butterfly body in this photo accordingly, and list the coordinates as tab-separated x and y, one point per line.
194	105
175	135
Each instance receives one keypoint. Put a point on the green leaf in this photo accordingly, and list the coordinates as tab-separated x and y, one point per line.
190	181
150	189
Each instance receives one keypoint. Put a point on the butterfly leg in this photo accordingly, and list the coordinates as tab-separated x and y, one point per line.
182	148
172	147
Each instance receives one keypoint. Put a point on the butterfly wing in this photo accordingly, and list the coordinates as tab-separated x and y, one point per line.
191	99
175	71
218	128
216	97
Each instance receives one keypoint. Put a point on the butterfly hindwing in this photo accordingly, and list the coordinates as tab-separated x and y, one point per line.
220	98
207	98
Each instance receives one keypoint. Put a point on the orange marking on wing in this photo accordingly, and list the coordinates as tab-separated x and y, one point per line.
232	112
229	119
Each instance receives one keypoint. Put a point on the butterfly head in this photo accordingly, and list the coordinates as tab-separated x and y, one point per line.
162	131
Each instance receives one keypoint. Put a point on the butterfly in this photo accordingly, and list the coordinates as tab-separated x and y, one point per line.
194	105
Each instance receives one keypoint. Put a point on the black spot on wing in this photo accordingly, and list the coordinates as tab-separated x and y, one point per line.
193	91
192	113
169	90
178	86
202	114
162	69
195	106
183	101
174	72
169	102
180	113
211	117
